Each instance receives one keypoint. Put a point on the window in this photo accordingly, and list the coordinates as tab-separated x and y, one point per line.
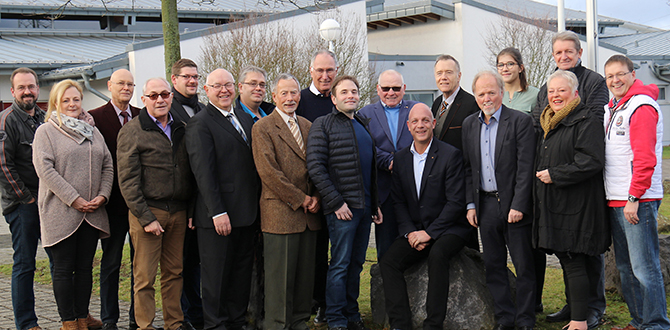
421	96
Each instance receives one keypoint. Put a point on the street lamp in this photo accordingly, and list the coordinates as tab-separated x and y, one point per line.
330	30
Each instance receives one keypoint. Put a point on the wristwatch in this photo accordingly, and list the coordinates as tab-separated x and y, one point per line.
632	198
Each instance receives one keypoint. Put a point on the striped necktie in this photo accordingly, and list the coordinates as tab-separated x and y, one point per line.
295	130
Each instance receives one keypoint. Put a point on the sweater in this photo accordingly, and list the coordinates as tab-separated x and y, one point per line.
313	106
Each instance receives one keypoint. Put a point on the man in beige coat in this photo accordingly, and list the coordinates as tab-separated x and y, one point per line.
288	205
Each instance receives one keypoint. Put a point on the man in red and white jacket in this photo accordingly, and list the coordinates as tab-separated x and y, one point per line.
633	183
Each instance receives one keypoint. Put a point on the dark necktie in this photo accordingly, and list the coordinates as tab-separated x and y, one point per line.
125	116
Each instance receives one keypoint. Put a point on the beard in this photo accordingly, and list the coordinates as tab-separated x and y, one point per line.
27	105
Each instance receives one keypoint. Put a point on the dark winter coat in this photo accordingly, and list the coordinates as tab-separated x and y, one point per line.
570	213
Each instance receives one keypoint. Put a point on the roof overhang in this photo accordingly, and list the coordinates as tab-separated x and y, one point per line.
410	13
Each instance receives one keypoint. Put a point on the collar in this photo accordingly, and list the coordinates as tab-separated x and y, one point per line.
452	97
118	110
286	117
248	110
315	91
495	115
391	108
413	150
224	112
169	123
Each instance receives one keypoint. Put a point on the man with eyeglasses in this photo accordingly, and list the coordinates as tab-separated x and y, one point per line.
218	140
634	189
185	104
389	131
315	102
157	184
252	87
109	119
18	185
567	52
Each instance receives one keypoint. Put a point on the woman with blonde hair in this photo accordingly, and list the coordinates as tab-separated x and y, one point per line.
75	171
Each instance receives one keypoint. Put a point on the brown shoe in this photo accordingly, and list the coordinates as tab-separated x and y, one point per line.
92	323
81	324
69	325
36	328
628	327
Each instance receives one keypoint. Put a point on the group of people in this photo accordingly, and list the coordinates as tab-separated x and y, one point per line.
555	170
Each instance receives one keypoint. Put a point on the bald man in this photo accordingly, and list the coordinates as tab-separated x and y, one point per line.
431	220
109	119
218	140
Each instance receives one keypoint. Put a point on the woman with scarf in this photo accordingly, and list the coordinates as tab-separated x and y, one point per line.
75	171
570	209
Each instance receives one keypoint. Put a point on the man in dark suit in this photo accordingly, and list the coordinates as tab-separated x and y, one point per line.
289	203
454	104
389	131
109	119
218	140
185	105
498	152
429	195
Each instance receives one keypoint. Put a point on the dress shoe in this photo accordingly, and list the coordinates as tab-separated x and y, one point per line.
109	326
132	325
187	326
69	325
628	327
357	326
561	316
37	327
539	308
81	324
593	319
320	317
92	322
502	327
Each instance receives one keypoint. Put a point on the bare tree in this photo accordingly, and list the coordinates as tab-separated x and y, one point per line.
530	36
281	48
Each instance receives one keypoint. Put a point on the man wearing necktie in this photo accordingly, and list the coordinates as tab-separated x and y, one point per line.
288	203
109	119
389	131
219	143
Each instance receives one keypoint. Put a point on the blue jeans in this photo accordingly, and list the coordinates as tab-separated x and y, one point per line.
24	224
636	249
349	242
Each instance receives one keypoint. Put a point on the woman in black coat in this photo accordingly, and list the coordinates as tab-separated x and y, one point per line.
570	209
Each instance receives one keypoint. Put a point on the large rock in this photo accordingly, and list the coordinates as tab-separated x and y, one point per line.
470	305
612	278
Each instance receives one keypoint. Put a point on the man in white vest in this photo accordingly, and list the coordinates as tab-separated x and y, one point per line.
633	183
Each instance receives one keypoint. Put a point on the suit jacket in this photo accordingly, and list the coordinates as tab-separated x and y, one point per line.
381	134
463	106
107	122
514	160
282	168
441	208
223	167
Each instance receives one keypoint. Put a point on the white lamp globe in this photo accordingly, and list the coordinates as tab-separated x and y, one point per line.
330	30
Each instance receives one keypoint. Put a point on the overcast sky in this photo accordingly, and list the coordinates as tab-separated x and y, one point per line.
654	13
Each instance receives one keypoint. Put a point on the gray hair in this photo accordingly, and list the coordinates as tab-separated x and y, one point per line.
447	57
567	36
144	88
567	75
250	68
284	76
387	72
497	76
323	51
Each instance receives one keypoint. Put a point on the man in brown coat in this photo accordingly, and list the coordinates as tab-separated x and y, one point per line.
288	205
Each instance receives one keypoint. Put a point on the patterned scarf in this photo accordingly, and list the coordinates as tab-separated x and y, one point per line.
550	119
82	125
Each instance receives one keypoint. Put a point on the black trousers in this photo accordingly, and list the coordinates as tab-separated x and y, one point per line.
321	264
73	272
497	237
401	256
110	266
191	302
578	282
226	264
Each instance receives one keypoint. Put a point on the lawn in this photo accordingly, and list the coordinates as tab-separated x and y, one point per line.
553	297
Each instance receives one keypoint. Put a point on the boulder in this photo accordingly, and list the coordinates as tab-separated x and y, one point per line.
470	306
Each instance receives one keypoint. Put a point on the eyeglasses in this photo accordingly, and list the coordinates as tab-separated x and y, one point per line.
254	84
188	76
509	65
619	75
30	87
394	88
329	71
165	95
227	85
123	83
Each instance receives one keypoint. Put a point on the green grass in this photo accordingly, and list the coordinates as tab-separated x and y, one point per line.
553	295
666	152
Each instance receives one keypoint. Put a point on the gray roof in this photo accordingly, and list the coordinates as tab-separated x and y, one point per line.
653	45
46	49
